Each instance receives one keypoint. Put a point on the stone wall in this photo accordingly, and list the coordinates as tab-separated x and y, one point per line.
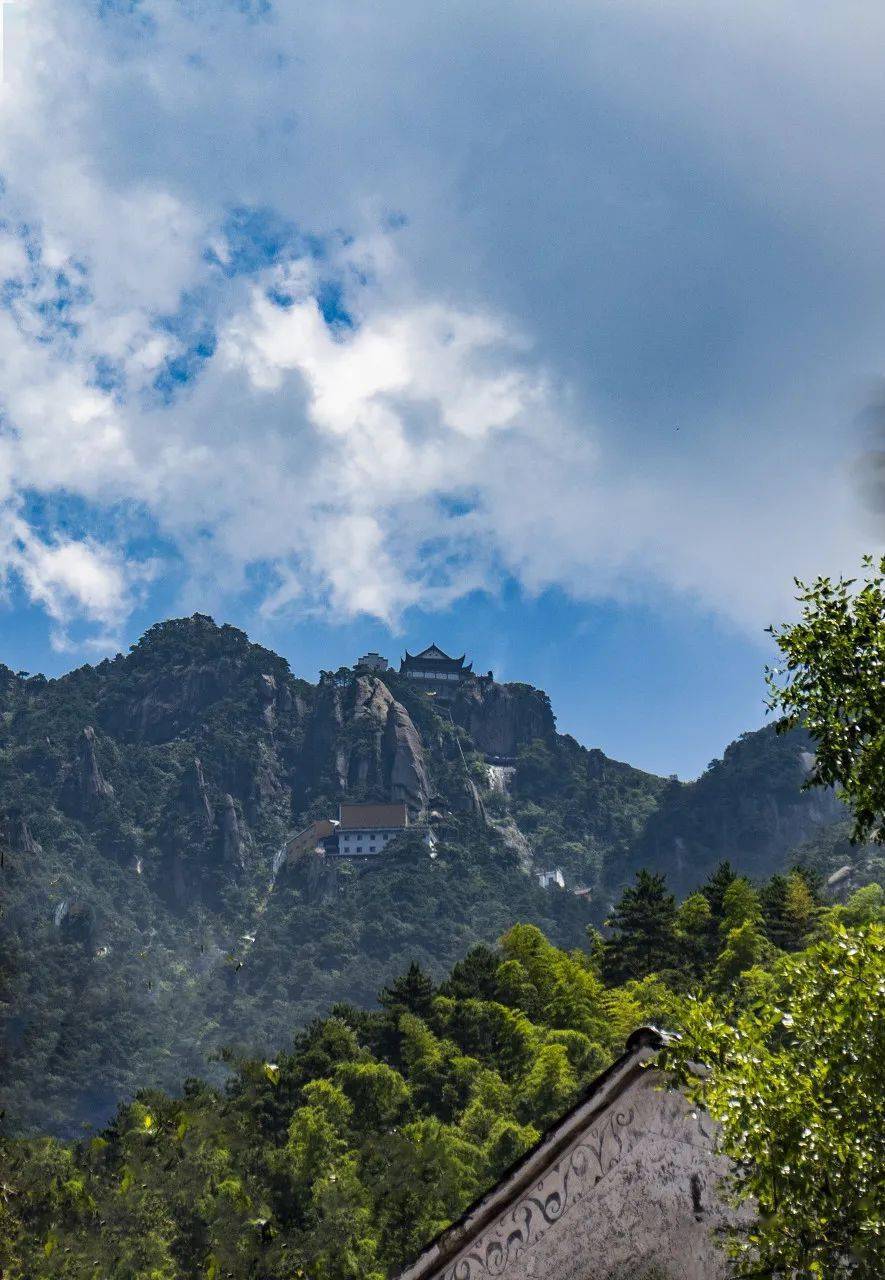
632	1196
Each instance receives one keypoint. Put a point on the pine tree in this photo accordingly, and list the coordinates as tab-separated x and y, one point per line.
412	992
474	976
790	910
716	888
644	930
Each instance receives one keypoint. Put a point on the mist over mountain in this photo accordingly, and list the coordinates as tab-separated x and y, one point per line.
151	916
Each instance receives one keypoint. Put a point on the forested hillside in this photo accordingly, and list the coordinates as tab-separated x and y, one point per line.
340	1156
148	920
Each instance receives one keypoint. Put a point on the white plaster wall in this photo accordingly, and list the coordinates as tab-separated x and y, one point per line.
633	1197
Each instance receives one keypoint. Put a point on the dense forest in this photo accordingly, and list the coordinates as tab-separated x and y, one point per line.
148	922
341	1155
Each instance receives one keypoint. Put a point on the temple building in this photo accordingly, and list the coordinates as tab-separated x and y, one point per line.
319	837
547	878
372	661
435	672
625	1186
364	829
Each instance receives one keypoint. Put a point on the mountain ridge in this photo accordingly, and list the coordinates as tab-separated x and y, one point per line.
150	920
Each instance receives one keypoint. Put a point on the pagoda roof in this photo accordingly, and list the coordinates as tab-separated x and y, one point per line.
435	654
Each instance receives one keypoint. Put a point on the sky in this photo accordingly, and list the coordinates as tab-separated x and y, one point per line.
550	333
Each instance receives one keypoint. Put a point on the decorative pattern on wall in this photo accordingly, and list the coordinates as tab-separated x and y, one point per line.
565	1184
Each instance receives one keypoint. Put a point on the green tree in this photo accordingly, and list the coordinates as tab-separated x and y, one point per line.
412	992
865	906
797	1083
644	935
790	910
715	889
832	681
740	905
693	922
744	947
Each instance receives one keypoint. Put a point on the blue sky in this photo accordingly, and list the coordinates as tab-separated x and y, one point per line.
542	331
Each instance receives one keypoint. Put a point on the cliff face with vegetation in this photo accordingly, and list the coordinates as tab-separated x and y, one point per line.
147	919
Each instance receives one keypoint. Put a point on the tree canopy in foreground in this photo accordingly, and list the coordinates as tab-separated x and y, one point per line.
796	1080
832	681
341	1156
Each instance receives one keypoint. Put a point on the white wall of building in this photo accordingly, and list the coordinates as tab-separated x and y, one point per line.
359	843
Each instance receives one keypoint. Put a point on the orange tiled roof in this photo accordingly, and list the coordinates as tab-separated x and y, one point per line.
365	816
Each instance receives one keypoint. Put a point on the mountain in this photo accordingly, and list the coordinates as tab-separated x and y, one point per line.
149	914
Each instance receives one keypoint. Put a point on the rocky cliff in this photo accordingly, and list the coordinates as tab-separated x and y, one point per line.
198	746
503	718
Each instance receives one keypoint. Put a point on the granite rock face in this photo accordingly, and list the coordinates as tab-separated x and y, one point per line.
403	758
165	705
86	789
467	799
501	718
231	836
195	795
375	744
370	703
323	748
190	666
15	833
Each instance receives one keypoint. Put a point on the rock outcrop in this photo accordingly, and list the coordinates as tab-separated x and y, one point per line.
368	743
370	707
514	839
185	667
467	799
232	848
323	752
85	789
195	795
15	834
403	756
168	704
501	718
267	695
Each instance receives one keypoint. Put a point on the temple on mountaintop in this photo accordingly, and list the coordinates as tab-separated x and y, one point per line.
435	672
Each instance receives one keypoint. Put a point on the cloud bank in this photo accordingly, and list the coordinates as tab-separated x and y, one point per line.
373	308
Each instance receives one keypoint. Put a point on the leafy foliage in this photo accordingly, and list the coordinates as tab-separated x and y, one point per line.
341	1156
833	683
796	1081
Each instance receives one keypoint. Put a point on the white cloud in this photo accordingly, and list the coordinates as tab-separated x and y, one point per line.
69	577
613	348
